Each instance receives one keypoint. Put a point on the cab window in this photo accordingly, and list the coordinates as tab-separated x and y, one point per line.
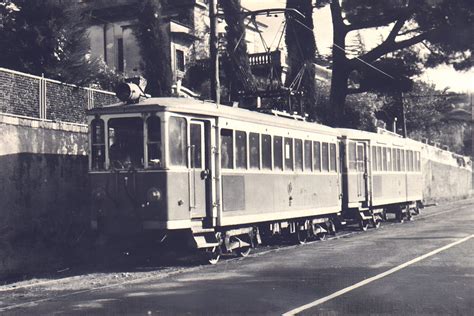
178	141
98	144
126	142
153	124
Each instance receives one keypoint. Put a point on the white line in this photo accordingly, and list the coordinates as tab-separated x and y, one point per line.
374	278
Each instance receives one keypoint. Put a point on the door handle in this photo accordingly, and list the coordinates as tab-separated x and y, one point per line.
205	174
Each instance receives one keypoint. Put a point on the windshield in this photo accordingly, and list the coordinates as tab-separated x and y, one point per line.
126	143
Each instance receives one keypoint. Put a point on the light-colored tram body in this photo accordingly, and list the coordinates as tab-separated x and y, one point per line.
223	175
381	174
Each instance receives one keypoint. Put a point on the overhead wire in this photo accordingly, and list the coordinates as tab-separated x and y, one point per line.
357	58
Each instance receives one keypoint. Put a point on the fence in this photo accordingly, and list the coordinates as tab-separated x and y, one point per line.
46	99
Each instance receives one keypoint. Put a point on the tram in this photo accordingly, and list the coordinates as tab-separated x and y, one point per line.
223	179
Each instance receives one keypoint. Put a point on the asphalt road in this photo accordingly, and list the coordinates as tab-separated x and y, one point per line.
423	267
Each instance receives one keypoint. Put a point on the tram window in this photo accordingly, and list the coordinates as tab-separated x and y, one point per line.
154	142
379	158
317	156
178	140
267	152
298	155
254	150
352	156
288	154
397	160
410	160
402	159
227	149
384	158
374	158
418	161
277	153
332	155
196	145
98	144
360	158
389	159
307	155
240	150
325	157
126	142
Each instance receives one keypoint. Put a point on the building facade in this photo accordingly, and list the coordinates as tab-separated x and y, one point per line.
187	21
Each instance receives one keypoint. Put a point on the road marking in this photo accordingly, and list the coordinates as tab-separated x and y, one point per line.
374	278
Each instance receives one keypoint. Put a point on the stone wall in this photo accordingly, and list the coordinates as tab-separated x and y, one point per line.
43	193
447	176
42	98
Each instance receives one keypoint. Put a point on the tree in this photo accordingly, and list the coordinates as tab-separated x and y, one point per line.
302	50
238	68
443	27
50	38
153	39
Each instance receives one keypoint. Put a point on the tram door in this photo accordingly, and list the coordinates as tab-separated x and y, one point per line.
199	176
362	176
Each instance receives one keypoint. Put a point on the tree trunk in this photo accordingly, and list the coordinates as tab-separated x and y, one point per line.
340	68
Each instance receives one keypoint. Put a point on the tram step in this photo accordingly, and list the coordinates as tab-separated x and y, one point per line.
201	242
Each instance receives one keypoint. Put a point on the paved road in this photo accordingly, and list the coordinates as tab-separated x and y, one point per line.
421	267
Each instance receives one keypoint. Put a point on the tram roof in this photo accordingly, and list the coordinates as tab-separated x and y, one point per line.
384	138
199	107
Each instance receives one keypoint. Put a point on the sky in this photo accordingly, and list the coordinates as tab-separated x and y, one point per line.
442	76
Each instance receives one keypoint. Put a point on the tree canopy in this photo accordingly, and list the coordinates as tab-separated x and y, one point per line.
50	38
442	28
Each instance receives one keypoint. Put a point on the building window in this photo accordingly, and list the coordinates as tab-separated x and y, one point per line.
179	60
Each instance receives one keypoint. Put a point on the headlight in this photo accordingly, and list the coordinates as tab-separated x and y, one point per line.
153	195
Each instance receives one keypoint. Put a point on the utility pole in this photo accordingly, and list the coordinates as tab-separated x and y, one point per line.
215	84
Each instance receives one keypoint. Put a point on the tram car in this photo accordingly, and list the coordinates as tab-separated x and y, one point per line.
381	174
221	178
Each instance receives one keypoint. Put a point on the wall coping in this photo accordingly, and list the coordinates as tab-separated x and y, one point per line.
19	120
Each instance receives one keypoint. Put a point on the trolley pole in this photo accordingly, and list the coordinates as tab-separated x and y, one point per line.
215	84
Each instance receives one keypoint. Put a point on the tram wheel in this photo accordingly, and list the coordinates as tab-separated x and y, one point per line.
363	225
213	255
375	223
301	236
322	236
244	251
399	216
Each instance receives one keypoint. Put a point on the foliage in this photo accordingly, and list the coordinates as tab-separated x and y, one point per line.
153	39
50	38
440	29
302	50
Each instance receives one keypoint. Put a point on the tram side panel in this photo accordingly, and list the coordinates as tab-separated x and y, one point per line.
270	173
251	198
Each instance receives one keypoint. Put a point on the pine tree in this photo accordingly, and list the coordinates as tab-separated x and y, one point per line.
152	34
301	46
